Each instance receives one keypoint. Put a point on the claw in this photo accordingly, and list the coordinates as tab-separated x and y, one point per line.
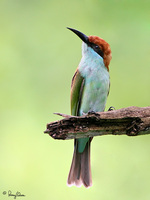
111	108
91	112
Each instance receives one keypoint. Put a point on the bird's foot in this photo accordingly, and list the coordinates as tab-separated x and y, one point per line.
111	108
91	112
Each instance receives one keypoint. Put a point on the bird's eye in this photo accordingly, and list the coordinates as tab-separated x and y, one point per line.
96	47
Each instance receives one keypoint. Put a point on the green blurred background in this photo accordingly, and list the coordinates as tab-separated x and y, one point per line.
38	57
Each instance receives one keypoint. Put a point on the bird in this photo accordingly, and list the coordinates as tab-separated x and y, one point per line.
89	90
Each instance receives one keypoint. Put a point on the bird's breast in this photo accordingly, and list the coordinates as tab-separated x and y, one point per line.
96	87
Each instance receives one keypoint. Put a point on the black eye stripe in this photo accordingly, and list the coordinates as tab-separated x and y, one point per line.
97	49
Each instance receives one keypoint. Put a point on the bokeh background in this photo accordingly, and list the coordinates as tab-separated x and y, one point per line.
38	57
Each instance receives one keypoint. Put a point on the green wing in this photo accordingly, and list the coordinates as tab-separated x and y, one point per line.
77	86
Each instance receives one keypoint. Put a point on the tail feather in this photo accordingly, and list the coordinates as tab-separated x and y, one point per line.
80	171
74	174
86	167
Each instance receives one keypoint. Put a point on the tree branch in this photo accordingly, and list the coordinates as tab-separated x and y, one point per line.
131	121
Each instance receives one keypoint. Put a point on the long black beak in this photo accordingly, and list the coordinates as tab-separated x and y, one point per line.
82	36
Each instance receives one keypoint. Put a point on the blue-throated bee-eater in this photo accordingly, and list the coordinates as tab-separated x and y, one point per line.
89	91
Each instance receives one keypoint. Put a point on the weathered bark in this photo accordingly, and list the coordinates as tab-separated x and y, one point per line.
131	121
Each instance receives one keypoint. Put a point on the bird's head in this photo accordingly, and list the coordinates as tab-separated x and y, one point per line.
100	46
